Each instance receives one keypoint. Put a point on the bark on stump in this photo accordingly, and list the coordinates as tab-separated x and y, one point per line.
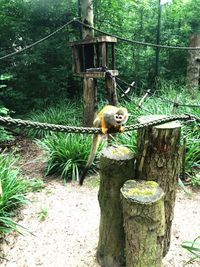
158	159
116	167
144	223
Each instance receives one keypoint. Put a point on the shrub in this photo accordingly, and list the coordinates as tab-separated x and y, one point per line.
66	154
64	113
14	188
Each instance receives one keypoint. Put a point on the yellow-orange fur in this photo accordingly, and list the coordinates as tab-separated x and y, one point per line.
109	118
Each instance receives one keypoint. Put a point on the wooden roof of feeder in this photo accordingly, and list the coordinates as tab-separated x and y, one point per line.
90	55
94	40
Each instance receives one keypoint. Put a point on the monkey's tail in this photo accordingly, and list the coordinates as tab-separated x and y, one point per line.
95	145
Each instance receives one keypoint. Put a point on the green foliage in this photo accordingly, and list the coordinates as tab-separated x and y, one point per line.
43	214
67	154
63	113
44	72
14	188
35	185
4	135
193	247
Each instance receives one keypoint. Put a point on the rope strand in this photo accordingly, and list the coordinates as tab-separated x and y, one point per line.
89	130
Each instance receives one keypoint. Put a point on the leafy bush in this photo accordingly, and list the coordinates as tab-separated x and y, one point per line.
4	135
67	154
13	187
64	113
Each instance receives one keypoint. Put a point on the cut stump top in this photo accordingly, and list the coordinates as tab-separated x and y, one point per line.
142	192
117	153
168	125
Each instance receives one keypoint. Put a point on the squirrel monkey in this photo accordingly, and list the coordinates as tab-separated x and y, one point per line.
110	119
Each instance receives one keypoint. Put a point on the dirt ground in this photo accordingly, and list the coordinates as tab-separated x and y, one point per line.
63	222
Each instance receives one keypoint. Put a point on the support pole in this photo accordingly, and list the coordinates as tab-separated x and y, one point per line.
111	87
158	159
144	223
89	84
116	167
89	100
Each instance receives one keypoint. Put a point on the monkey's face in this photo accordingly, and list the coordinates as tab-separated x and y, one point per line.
121	116
119	119
116	119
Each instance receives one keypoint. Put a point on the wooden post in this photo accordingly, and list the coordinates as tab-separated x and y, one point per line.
89	84
111	89
89	100
144	223
116	167
193	68
158	159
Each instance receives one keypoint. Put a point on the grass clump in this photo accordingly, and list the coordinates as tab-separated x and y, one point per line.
13	196
66	154
63	113
193	247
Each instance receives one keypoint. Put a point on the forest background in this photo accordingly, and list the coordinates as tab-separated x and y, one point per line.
43	74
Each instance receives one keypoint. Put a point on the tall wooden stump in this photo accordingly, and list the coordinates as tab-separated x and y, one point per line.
158	159
89	100
116	167
144	223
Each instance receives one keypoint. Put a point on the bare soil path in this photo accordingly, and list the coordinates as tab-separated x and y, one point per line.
68	234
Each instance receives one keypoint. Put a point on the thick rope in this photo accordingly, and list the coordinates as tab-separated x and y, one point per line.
7	121
39	41
138	42
103	32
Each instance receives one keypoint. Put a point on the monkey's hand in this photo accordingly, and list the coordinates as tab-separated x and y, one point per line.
121	129
104	130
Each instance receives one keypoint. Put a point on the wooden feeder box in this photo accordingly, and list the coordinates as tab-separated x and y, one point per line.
92	57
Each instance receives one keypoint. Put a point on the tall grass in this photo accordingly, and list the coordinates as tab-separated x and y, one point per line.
14	188
63	113
193	247
66	154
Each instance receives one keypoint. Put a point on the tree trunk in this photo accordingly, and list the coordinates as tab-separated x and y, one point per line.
89	84
87	16
158	159
144	223
193	68
116	167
